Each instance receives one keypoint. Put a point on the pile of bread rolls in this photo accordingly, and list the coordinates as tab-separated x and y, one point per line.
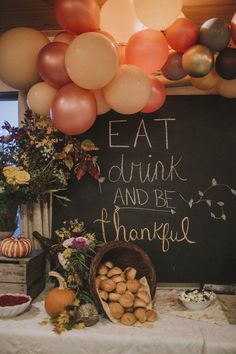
128	300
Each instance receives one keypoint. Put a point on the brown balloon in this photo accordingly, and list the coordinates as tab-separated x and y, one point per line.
73	109
197	61
51	64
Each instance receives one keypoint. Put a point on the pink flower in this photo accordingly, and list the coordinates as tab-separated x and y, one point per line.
80	243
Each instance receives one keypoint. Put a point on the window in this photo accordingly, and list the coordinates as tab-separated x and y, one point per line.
8	109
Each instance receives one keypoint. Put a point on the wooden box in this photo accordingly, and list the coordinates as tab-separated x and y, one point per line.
23	275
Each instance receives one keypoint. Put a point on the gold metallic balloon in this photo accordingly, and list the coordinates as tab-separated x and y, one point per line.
198	61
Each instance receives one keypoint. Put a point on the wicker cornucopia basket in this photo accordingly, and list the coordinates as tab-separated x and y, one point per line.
123	254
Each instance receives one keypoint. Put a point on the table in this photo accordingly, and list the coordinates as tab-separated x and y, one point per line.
169	335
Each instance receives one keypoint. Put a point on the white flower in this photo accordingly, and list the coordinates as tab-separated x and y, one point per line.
62	260
67	243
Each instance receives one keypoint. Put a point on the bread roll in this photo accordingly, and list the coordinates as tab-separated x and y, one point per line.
143	295
117	278
108	285
121	288
140	314
103	294
126	300
151	315
116	309
128	319
109	264
139	303
102	270
133	285
114	271
114	296
130	273
97	282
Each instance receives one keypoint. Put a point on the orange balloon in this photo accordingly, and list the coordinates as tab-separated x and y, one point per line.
40	98
121	54
64	37
147	49
102	106
157	98
77	16
129	90
226	88
73	110
206	82
51	64
91	60
19	48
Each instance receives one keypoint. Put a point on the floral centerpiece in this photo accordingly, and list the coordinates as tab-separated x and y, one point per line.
75	249
36	160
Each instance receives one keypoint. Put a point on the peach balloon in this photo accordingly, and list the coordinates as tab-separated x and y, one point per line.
77	16
73	110
147	49
102	106
64	37
51	64
118	19
157	98
121	54
129	91
91	60
19	48
206	82
40	97
157	14
226	88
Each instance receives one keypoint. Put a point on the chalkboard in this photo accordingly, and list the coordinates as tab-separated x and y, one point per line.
170	187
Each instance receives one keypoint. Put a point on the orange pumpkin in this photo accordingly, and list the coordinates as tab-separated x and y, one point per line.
16	247
58	298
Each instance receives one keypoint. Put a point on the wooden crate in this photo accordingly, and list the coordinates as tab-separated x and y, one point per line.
23	275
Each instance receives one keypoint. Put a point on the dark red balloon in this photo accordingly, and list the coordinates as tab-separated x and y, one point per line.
78	16
226	63
182	34
173	70
73	109
51	64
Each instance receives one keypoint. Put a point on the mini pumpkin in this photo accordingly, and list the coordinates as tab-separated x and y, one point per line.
16	247
58	298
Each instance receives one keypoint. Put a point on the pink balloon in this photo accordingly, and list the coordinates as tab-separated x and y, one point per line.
73	109
157	98
147	49
51	64
78	16
64	37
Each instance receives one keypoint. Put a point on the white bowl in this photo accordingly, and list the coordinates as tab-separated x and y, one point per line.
195	299
14	310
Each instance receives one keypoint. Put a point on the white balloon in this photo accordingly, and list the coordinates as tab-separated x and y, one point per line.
157	14
118	18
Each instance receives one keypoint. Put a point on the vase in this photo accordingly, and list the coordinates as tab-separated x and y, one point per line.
8	218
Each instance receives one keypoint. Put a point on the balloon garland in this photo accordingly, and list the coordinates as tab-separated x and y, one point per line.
111	57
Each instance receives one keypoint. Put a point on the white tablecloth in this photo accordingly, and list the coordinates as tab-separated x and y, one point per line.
170	335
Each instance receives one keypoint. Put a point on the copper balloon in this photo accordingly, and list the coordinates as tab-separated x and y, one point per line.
182	34
51	64
73	109
198	61
78	16
233	28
